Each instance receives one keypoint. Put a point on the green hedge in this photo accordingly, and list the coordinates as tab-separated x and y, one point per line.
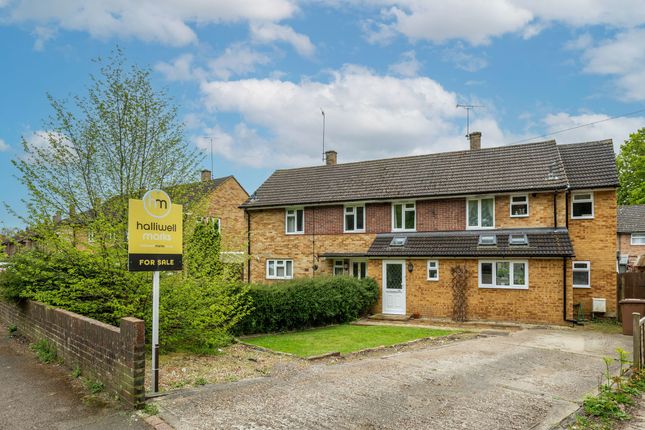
308	302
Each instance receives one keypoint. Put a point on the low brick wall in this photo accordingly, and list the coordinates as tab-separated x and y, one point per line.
113	355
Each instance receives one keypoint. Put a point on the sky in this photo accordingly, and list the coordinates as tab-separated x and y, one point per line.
252	76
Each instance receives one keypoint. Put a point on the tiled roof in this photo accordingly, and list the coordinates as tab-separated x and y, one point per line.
590	164
527	167
541	243
631	219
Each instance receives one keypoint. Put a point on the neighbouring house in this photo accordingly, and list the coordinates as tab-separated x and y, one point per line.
213	199
533	224
12	244
631	238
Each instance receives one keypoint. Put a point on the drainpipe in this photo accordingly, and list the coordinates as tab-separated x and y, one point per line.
313	242
248	245
555	210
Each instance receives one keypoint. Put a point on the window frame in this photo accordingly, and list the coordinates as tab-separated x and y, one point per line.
353	213
283	262
591	199
295	215
403	211
334	266
588	270
358	261
479	213
631	239
511	275
436	267
511	204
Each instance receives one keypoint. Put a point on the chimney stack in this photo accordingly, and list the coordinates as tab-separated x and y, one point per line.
206	175
330	158
475	140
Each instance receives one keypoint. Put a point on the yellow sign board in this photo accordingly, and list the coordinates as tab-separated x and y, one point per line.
155	233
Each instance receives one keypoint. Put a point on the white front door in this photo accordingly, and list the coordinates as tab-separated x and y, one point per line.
394	287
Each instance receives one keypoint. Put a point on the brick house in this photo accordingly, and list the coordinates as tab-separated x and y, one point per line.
631	237
533	224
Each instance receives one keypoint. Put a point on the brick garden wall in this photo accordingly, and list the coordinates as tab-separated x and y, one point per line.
113	355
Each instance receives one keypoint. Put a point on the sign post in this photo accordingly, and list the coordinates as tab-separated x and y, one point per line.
155	243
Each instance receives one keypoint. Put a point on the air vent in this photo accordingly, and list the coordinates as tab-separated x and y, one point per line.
487	239
398	241
518	239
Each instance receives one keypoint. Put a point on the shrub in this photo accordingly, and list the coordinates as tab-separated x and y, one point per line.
198	314
309	302
45	351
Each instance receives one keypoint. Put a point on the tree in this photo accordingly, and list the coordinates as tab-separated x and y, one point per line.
631	169
120	138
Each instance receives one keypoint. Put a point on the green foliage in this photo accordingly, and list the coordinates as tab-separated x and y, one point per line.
309	302
201	381
151	409
202	251
81	282
94	386
76	372
198	314
631	169
12	329
45	351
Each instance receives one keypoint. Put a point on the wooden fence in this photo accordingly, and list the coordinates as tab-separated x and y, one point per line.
631	285
638	338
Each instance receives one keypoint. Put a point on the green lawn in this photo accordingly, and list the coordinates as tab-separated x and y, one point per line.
343	338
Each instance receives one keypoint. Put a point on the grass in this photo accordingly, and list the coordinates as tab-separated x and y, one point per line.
343	338
45	351
605	325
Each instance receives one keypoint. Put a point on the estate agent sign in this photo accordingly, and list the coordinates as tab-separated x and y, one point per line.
155	233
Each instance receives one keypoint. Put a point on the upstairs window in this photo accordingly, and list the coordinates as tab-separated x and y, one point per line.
404	217
295	221
582	205
638	239
481	213
581	274
354	219
520	206
279	269
433	270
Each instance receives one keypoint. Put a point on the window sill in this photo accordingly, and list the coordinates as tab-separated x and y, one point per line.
519	216
295	233
398	230
432	279
504	287
480	228
353	231
583	287
278	279
582	217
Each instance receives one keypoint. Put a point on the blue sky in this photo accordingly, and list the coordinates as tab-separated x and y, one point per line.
388	73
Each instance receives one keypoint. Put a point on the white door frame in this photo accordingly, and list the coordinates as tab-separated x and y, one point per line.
401	292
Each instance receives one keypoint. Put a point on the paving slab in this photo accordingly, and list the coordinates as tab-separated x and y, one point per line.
530	379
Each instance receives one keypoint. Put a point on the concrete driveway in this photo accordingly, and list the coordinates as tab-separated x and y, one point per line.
526	380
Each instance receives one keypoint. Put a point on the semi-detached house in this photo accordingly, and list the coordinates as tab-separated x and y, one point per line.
533	224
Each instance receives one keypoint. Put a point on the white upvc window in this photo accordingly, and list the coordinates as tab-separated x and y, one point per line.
294	221
279	269
404	217
519	206
433	270
582	205
354	219
511	274
339	267
638	239
480	212
90	236
358	269
581	274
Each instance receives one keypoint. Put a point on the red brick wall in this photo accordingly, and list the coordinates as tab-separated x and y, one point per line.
328	219
378	218
441	215
113	355
625	247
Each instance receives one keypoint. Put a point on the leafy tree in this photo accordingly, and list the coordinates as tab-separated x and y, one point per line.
631	169
202	253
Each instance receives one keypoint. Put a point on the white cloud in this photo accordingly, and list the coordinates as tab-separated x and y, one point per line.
267	32
408	66
617	129
237	59
622	57
4	146
463	60
368	116
164	21
43	35
180	69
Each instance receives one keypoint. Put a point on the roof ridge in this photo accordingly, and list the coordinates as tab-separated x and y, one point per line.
602	141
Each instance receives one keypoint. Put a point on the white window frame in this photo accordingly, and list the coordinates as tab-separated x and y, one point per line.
591	199
588	270
479	213
336	264
511	285
352	211
403	211
295	223
436	267
90	236
632	242
511	204
276	264
359	261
